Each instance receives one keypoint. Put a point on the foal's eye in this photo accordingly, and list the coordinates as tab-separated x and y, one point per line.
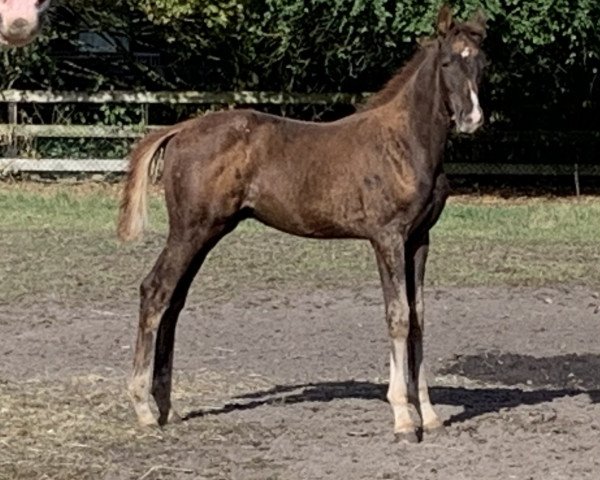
477	37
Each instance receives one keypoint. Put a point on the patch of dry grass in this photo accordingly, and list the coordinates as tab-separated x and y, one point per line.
82	428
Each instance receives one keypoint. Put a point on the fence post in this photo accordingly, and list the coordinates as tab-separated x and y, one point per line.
13	120
576	175
145	115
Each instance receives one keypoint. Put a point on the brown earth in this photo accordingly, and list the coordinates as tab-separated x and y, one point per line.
291	385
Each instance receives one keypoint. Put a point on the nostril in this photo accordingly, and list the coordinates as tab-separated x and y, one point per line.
19	24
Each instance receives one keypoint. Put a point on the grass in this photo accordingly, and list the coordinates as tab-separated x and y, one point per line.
59	241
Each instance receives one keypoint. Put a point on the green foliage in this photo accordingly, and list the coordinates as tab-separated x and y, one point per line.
545	58
544	54
216	12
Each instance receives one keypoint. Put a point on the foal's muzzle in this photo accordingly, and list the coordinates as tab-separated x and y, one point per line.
470	122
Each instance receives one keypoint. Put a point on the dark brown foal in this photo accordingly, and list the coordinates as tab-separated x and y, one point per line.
375	175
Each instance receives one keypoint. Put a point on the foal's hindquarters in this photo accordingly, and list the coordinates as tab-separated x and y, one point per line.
203	206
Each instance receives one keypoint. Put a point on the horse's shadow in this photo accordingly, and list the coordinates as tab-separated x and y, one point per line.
547	379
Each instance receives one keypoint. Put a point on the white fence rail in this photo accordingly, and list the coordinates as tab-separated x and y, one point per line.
181	98
12	131
66	165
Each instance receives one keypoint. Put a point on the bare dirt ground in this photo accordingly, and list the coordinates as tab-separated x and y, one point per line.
288	384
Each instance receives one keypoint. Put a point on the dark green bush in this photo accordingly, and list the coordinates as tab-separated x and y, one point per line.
544	53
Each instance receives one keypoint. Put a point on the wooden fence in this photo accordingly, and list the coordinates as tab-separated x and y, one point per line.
13	129
468	163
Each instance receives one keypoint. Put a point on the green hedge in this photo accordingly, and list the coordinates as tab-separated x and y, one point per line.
545	53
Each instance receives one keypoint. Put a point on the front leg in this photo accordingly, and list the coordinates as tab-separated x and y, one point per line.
417	250
389	250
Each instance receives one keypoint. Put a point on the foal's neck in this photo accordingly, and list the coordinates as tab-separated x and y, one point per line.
421	100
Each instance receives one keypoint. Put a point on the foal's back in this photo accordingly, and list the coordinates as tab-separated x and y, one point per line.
337	179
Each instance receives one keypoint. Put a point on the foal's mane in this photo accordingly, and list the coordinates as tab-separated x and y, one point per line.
391	88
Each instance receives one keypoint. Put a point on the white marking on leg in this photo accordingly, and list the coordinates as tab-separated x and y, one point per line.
138	393
429	417
397	394
420	389
398	391
139	386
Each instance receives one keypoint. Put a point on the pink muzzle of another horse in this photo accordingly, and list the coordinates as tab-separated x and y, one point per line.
19	21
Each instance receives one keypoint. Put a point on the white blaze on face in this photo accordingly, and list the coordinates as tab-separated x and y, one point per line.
476	114
466	52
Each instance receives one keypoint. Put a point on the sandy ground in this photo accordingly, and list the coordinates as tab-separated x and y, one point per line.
291	385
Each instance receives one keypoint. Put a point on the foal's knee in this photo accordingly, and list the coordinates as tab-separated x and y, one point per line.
398	319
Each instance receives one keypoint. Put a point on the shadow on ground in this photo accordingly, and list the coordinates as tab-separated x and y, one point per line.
547	379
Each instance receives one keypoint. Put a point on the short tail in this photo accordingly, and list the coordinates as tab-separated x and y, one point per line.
133	209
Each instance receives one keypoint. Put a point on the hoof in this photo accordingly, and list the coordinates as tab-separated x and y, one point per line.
144	415
406	437
147	420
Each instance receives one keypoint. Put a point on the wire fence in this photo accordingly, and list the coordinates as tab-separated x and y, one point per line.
73	132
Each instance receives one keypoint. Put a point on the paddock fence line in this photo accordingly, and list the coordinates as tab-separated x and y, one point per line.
62	132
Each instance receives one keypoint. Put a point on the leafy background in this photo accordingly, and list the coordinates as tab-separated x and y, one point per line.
544	54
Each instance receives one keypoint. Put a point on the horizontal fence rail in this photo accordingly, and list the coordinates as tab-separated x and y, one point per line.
15	131
182	98
62	165
102	165
73	131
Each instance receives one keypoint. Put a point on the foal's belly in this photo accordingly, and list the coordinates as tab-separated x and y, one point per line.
326	210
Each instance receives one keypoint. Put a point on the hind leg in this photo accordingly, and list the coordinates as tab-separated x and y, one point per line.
165	337
162	297
156	291
163	358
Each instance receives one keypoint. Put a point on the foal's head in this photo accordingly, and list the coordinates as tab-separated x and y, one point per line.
462	63
20	20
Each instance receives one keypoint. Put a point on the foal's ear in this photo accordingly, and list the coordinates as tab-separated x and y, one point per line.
478	25
444	19
479	19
